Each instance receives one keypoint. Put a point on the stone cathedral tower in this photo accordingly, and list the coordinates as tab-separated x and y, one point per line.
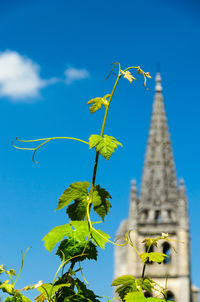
160	207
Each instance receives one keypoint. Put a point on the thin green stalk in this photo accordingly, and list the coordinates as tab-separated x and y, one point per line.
144	266
45	140
103	127
97	156
22	264
63	263
96	163
143	271
80	268
129	241
50	138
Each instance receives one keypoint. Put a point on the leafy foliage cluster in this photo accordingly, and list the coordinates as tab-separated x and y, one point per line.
79	239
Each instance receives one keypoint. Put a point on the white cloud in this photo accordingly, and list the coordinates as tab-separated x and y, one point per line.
73	74
19	77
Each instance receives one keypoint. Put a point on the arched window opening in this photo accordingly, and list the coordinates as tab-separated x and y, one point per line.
158	217
169	212
150	251
167	251
144	215
148	295
170	296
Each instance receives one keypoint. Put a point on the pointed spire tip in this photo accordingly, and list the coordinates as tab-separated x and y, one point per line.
158	87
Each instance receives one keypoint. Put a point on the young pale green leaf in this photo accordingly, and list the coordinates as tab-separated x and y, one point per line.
123	279
77	190
46	289
126	284
144	256
150	299
135	297
11	272
6	287
107	146
145	284
17	298
70	248
99	238
101	204
157	257
97	102
25	299
2	269
153	256
79	230
55	236
151	241
77	210
94	140
127	75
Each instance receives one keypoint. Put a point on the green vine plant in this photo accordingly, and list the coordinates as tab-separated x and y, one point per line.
79	238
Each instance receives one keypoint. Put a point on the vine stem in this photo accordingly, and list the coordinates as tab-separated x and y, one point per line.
103	127
101	134
22	264
45	140
96	163
144	266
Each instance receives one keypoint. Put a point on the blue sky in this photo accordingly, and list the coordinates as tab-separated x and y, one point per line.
54	57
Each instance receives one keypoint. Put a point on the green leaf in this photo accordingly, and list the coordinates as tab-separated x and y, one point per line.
79	230
71	248
97	102
107	146
11	299
127	75
2	269
151	241
101	204
94	140
25	299
6	287
55	236
135	297
104	145
145	284
123	279
153	256
46	289
99	238
87	294
77	210
156	300
126	284
77	190
11	272
144	256
157	257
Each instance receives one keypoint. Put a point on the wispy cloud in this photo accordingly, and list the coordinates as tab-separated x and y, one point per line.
19	77
73	74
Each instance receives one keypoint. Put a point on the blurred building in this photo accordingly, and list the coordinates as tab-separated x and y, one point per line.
161	207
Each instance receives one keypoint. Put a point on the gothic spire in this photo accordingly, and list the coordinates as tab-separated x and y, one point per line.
159	178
